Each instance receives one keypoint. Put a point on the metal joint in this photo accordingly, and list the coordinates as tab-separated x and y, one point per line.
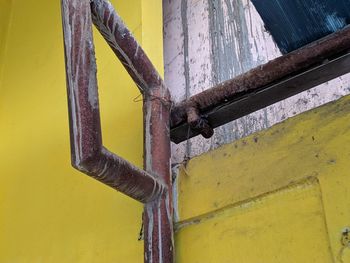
199	123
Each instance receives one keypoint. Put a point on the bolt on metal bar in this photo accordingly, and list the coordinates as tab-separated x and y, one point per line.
278	79
87	152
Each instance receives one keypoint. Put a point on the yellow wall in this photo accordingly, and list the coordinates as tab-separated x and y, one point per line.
48	211
5	14
281	195
277	196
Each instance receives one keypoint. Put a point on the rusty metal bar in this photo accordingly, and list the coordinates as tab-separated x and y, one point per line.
278	79
158	215
124	45
87	152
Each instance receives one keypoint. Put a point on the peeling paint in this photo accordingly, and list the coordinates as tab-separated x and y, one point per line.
250	44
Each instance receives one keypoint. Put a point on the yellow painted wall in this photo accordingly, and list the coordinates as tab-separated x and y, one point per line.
48	211
281	195
5	14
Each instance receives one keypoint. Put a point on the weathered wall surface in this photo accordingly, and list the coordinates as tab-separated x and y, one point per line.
48	211
209	41
280	195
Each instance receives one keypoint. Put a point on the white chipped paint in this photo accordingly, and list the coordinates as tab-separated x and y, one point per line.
160	239
170	216
149	211
148	136
100	175
154	192
131	188
137	51
76	129
92	89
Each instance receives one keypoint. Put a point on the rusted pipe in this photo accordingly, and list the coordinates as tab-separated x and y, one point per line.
158	219
87	152
124	45
258	78
158	215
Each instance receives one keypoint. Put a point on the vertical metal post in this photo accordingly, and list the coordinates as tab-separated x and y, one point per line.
158	214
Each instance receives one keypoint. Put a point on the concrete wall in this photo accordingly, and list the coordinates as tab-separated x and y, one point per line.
209	41
280	195
48	211
275	192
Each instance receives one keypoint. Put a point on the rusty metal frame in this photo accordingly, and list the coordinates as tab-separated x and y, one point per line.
283	77
264	85
158	215
153	186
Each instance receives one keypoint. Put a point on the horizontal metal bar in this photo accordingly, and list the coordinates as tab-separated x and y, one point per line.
87	152
276	80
